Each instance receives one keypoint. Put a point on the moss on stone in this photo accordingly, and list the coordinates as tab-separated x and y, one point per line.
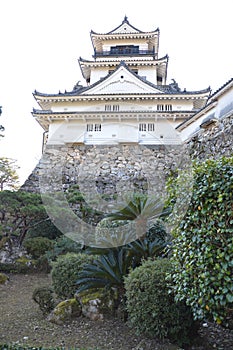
3	278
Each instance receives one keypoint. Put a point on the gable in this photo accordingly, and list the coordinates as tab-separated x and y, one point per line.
122	81
124	28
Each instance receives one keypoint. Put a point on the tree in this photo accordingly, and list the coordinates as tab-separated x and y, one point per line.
19	212
1	127
8	174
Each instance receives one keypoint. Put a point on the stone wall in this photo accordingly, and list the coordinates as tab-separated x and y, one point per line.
108	169
214	141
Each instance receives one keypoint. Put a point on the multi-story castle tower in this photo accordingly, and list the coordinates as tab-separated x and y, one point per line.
126	99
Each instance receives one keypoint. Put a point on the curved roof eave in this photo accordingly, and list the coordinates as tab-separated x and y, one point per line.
83	60
164	89
125	20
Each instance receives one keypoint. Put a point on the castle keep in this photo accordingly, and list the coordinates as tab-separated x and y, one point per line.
127	122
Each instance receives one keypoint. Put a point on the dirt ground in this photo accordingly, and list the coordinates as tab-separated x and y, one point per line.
21	321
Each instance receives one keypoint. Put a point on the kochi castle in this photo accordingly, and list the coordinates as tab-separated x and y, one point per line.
125	98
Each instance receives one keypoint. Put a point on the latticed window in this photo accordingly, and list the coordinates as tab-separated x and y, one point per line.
89	127
142	127
160	107
151	127
168	107
97	127
93	127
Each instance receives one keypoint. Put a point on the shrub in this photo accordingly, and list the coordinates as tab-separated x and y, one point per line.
202	247
65	272
152	309
38	246
44	297
44	229
63	245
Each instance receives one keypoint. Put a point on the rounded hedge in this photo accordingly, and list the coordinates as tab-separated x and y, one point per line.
38	246
152	309
65	272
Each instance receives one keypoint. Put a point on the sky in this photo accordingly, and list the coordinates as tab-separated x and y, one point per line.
41	42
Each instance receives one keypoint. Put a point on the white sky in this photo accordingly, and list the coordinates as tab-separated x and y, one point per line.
41	42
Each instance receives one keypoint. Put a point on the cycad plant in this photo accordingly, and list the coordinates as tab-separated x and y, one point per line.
107	272
144	210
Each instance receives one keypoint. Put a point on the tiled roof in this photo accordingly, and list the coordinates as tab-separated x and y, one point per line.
125	20
209	102
167	89
221	88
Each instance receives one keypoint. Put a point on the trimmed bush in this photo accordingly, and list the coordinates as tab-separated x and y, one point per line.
202	248
63	245
65	272
152	309
38	246
44	297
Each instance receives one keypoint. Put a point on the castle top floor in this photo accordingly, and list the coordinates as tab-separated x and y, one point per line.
125	40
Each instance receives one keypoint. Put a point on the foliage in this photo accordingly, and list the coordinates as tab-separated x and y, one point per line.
65	271
21	265
152	309
202	247
38	246
9	178
115	263
44	229
3	278
44	297
106	272
63	245
1	127
80	206
20	211
142	209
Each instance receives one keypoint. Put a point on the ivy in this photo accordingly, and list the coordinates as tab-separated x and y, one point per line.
203	243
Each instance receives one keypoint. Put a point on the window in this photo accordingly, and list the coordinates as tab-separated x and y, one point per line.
114	108
164	107
159	79
97	127
124	49
108	108
168	107
160	107
93	127
89	127
146	127
151	127
142	127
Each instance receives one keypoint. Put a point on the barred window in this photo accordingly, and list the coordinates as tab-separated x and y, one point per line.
142	127
97	127
168	107
89	127
151	127
160	107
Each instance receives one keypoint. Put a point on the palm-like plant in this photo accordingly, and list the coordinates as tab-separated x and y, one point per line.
106	272
143	210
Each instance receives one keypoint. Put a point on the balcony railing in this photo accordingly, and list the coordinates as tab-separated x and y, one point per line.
124	52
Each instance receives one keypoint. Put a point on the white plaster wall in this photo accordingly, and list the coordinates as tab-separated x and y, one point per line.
126	131
225	100
66	132
177	105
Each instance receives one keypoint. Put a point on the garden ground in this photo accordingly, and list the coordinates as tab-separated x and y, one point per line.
21	321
